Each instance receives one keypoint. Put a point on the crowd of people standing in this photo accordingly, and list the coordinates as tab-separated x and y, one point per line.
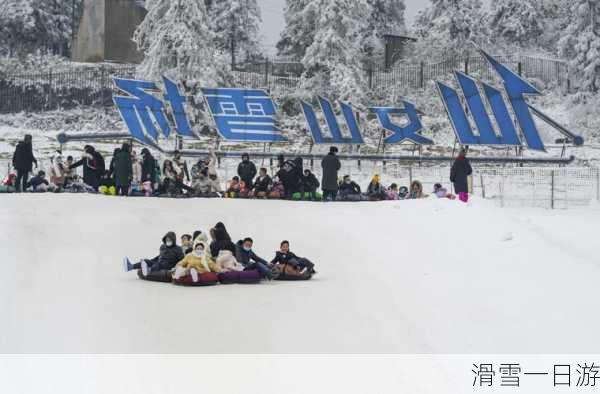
130	174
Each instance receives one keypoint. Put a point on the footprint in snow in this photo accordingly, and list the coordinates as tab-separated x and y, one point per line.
507	237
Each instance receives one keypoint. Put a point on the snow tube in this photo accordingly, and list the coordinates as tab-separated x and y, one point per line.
205	279
298	196
243	277
6	189
157	276
289	273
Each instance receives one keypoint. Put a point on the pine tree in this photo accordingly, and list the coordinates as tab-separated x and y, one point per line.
299	30
177	42
385	17
580	43
236	22
333	60
27	26
518	23
450	27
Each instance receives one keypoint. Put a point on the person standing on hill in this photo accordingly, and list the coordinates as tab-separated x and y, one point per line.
331	165
23	160
93	166
459	175
123	170
247	171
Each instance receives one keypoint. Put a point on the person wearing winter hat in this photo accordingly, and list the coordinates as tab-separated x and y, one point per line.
169	255
187	243
329	183
197	262
247	170
459	175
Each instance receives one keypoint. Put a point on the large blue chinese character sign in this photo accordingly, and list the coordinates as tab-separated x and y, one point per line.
145	114
515	89
332	123
243	114
408	132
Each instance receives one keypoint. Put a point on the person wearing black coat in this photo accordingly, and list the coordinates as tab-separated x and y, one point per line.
310	184
290	176
247	170
459	176
221	241
284	256
263	183
349	190
123	171
93	167
251	261
169	255
330	165
23	161
148	167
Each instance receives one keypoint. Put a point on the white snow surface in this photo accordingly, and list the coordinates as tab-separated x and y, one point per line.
426	276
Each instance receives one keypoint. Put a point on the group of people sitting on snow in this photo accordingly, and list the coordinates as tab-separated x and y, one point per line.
131	175
196	256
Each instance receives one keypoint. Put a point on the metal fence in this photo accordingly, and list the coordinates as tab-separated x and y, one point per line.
94	87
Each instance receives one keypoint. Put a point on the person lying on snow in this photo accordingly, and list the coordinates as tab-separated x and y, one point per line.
375	190
76	184
310	184
197	262
39	183
284	256
169	255
251	261
442	192
349	190
223	250
262	185
206	186
391	192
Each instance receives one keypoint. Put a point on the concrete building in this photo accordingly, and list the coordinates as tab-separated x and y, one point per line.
106	31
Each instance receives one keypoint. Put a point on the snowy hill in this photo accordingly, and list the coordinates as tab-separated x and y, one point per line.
413	276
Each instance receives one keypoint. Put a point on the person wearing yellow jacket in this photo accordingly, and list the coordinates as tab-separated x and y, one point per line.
196	262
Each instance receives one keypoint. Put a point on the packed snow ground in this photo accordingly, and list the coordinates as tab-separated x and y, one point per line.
427	276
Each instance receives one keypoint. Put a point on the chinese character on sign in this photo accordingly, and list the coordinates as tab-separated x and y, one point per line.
510	374
484	373
562	375
141	111
243	114
587	375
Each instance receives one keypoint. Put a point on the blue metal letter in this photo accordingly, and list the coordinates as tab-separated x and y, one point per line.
243	114
137	108
332	123
177	100
401	133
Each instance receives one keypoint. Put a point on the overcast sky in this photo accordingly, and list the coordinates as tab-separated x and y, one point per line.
273	23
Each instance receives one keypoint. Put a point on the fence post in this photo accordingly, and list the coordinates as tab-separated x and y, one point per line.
552	189
467	66
520	69
482	186
422	75
267	73
370	76
597	184
409	175
50	92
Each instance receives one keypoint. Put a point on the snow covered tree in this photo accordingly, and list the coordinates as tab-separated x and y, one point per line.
27	26
519	23
177	42
385	17
447	28
332	61
237	23
299	30
580	43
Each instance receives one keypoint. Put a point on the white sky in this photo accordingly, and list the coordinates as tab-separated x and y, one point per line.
273	23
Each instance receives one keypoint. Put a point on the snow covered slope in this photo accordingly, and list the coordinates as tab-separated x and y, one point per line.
411	276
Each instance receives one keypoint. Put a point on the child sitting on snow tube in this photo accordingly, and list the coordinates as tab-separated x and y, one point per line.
194	265
158	268
288	264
